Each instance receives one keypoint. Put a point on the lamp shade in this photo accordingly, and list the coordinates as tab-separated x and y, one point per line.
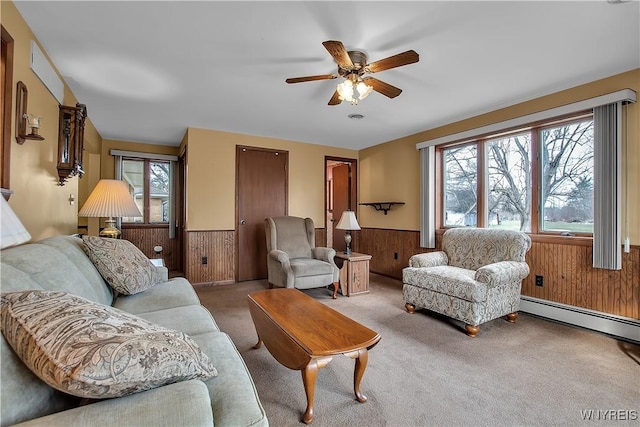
12	231
348	221
110	198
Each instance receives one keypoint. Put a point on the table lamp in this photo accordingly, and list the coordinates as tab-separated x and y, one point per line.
110	198
348	222
12	232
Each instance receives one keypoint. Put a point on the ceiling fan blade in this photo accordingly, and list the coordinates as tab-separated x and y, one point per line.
335	99
384	88
311	78
339	53
404	58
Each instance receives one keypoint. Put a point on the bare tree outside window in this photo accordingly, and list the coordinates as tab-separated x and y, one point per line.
509	165
149	183
567	177
565	183
159	192
461	186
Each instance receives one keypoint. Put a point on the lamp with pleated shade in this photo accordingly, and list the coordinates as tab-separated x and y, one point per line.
12	232
110	198
348	222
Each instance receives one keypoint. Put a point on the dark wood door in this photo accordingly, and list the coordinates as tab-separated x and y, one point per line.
341	202
261	192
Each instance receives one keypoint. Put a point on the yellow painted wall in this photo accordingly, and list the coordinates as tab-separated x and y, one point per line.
211	176
392	170
390	173
38	200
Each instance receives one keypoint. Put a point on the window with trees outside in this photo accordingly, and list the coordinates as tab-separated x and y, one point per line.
149	184
537	180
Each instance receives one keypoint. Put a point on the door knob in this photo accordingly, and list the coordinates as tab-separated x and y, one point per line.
243	222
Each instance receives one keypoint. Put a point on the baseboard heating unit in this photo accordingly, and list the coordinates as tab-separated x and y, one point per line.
618	326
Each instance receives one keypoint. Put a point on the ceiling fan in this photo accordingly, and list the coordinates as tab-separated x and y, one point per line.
352	65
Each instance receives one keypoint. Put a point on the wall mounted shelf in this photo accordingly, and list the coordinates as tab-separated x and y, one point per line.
382	206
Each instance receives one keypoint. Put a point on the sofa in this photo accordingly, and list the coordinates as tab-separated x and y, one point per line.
475	278
61	265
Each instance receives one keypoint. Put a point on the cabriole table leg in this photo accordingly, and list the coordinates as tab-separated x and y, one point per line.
361	364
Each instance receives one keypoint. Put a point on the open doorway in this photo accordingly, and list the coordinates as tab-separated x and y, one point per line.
341	195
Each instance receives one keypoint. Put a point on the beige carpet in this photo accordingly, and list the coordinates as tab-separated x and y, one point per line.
426	372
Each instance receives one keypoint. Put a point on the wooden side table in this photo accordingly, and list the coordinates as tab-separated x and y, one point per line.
354	273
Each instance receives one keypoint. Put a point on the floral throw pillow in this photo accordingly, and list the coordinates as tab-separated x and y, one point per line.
95	351
125	268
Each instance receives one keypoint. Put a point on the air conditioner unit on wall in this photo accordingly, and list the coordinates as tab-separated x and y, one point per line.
45	72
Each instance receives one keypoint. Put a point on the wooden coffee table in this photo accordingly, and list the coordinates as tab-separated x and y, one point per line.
304	334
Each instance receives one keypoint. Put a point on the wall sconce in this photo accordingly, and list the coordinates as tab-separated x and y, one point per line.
33	122
24	119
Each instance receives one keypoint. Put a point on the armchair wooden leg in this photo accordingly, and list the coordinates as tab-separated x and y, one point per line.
335	289
410	308
511	317
472	330
270	285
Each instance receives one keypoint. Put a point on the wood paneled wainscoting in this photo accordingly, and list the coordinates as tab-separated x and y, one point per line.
146	238
321	237
569	277
219	249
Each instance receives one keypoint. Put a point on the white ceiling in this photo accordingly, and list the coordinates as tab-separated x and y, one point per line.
148	70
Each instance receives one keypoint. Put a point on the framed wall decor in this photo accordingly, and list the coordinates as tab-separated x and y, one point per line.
21	110
70	141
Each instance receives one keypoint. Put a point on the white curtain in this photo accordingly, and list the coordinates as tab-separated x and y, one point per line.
607	175
428	197
118	175
172	199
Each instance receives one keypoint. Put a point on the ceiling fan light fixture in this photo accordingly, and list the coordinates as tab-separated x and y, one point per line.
363	90
352	65
353	91
345	91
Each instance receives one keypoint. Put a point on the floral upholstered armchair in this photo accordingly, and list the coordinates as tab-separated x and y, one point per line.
293	260
475	278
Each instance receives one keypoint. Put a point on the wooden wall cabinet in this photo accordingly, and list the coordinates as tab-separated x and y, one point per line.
70	141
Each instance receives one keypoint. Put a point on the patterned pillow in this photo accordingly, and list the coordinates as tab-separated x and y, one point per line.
125	268
94	351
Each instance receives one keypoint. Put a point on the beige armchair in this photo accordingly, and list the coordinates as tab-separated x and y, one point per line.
293	260
475	278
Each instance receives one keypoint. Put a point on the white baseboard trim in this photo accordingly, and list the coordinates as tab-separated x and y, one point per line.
623	327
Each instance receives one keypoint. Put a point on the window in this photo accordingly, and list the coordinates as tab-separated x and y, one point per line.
567	177
535	180
509	182
460	186
149	184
